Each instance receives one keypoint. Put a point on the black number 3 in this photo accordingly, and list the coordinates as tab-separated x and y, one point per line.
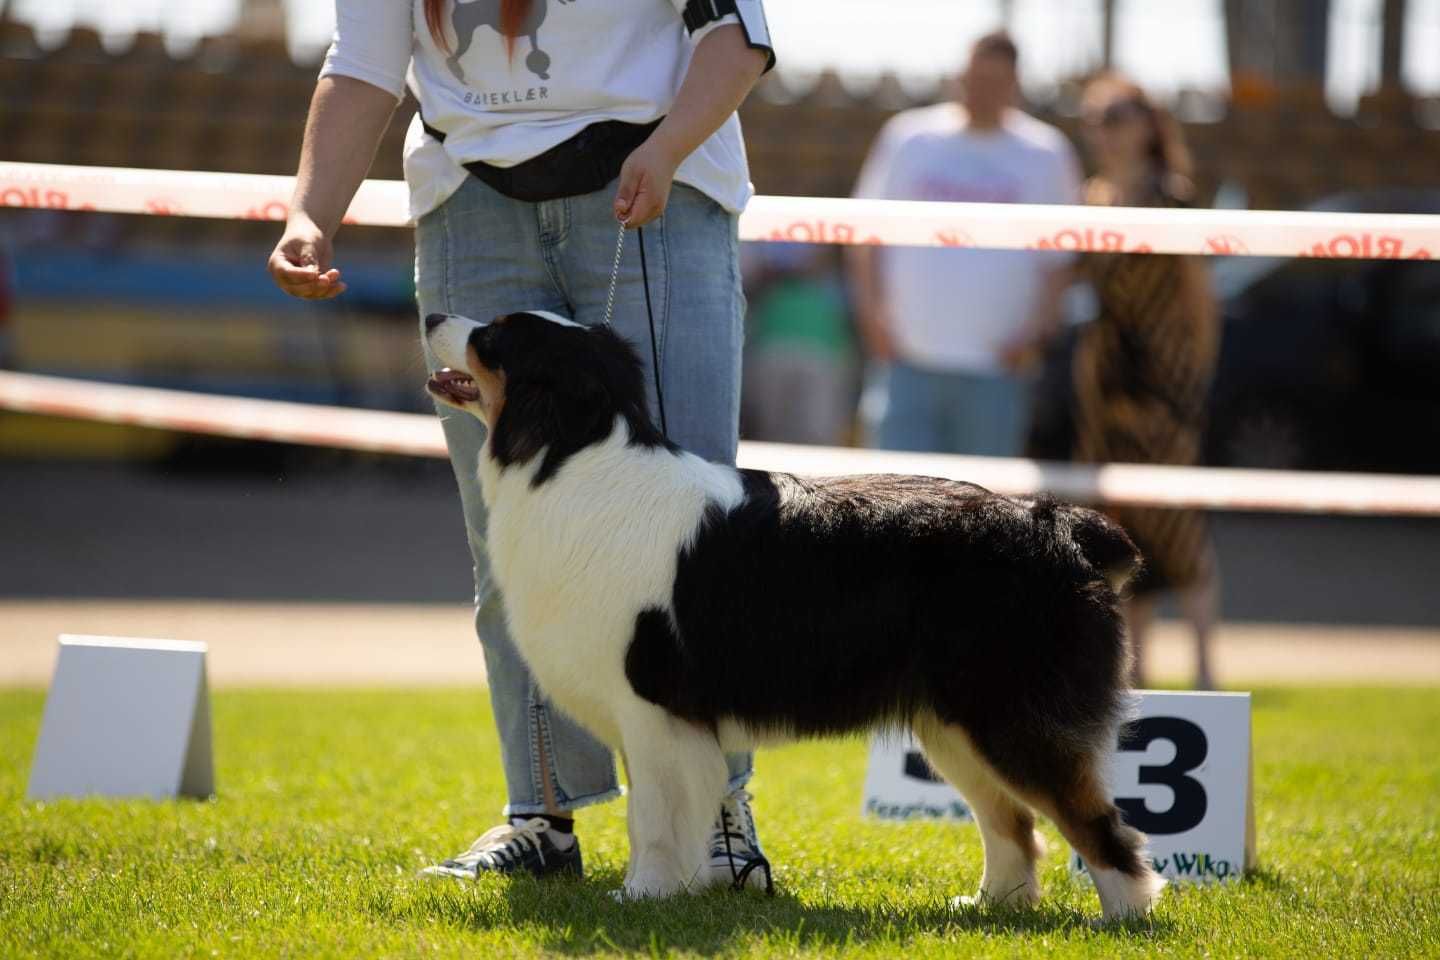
1191	748
918	768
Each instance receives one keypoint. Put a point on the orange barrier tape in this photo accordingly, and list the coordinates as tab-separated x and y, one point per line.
420	435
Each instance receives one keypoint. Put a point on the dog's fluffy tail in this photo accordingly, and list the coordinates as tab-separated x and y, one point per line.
1106	545
1102	542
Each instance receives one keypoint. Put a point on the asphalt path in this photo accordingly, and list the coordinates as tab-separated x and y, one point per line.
389	531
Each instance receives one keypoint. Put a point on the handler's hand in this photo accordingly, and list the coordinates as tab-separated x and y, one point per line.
300	264
645	182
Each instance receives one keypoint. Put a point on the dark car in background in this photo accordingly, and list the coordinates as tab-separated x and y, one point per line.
1324	364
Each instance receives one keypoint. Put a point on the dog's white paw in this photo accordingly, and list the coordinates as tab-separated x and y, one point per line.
1022	895
1127	898
649	889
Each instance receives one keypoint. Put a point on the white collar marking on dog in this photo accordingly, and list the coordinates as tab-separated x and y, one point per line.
553	318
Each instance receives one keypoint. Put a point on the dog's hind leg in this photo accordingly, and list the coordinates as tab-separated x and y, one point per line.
1113	852
677	779
1007	826
1066	785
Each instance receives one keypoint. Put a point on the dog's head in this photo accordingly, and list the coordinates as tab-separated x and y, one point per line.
540	382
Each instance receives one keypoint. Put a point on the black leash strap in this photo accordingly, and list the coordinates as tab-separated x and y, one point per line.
649	310
654	344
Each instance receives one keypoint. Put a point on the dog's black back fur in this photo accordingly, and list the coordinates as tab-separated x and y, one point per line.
942	596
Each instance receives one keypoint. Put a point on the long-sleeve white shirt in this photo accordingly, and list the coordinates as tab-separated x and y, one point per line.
575	63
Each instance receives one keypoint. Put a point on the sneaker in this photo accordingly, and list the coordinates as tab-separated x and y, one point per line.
512	847
736	859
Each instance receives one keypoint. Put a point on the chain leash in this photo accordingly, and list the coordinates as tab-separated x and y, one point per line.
614	275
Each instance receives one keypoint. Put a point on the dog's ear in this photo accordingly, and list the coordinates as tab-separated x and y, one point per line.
542	413
623	375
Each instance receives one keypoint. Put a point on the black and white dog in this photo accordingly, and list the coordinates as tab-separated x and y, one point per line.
680	609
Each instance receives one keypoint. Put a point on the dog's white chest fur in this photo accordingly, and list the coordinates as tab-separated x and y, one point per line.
580	556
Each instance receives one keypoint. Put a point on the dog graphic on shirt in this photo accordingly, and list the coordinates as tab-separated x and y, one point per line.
469	17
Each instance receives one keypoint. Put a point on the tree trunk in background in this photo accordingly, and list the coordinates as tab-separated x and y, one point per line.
1277	45
1392	45
261	19
1108	43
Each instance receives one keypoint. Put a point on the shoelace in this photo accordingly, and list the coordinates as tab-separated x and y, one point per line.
741	801
504	845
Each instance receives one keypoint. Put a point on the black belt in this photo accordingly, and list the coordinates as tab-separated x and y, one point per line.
583	164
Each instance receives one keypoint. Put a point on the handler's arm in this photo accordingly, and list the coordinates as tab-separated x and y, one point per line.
347	119
722	71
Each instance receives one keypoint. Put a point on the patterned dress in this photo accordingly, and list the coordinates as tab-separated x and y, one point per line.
1142	377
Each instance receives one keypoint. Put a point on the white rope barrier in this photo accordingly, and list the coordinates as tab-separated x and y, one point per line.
420	435
794	219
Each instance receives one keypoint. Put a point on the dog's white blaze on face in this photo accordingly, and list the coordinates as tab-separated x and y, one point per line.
448	340
555	318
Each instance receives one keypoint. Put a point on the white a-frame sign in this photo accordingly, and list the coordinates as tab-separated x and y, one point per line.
1180	772
125	718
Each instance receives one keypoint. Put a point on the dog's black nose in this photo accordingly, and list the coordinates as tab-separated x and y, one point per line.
434	320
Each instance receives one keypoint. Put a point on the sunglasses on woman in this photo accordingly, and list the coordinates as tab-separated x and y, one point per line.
1117	113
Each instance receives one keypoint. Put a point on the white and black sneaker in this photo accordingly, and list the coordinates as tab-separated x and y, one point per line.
512	847
736	859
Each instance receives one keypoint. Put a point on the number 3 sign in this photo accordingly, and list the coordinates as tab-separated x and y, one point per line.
1180	772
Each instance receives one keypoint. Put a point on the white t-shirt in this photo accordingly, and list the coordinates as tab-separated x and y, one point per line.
579	62
956	309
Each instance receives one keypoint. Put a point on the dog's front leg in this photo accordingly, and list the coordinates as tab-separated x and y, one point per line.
677	779
629	822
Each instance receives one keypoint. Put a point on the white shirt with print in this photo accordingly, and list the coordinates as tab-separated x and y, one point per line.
578	62
957	309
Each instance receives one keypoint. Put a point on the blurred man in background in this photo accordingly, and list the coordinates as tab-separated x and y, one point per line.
958	329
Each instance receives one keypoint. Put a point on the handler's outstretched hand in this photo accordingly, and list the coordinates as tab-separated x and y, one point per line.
645	181
300	263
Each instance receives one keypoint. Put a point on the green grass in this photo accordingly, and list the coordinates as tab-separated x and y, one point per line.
329	802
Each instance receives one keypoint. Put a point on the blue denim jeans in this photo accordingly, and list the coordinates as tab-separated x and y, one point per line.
930	411
481	254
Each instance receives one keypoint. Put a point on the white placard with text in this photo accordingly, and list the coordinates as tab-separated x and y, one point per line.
1180	772
899	784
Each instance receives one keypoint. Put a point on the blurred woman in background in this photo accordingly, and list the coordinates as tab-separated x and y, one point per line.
1143	369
